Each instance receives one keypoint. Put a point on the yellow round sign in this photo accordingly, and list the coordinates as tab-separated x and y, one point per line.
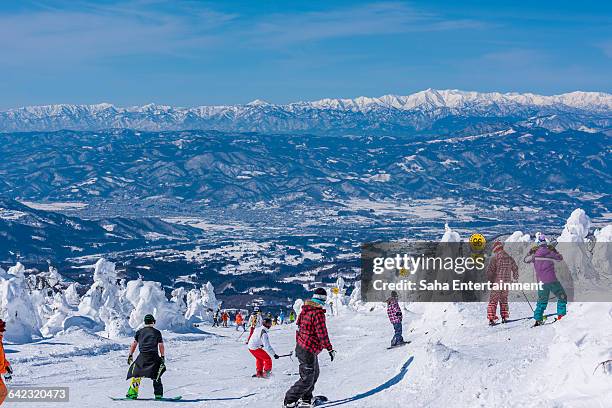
477	242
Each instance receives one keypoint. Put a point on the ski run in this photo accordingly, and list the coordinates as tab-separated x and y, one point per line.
454	358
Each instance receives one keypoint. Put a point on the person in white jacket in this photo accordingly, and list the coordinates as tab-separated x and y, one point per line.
261	349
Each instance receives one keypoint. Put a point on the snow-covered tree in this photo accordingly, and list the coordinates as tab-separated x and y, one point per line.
17	306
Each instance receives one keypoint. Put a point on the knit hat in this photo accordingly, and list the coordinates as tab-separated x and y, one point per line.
394	294
267	321
320	294
497	246
149	319
2	326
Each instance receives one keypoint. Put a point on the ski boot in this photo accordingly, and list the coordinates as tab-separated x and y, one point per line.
159	397
259	374
133	390
504	320
538	323
492	323
267	374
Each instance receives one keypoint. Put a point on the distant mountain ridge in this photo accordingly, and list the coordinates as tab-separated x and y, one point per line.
425	110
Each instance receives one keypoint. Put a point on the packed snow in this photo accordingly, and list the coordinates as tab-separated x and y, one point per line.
58	338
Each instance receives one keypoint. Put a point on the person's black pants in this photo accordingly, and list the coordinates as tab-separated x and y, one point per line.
309	374
158	387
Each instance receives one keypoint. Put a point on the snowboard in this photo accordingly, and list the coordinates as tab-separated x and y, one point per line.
399	345
165	399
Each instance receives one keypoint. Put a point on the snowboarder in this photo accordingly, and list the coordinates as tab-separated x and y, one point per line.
311	339
150	363
502	269
5	366
394	312
240	322
261	349
254	321
543	257
281	317
216	318
225	318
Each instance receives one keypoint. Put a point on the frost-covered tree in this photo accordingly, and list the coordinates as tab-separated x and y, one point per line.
17	306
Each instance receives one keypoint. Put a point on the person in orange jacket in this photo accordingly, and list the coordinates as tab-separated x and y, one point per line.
240	322
5	366
225	318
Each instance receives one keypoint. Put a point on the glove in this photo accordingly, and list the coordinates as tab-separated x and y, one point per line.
130	359
9	374
332	354
163	362
276	357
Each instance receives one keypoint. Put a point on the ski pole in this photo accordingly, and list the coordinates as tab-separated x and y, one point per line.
286	355
238	339
532	311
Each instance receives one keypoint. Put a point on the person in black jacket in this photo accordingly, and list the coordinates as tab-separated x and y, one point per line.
150	362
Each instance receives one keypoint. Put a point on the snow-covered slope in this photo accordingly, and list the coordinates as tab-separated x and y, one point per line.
454	360
386	114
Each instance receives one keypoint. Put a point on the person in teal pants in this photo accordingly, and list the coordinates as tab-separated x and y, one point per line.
543	258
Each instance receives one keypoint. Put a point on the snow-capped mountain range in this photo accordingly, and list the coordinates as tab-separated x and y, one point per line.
420	111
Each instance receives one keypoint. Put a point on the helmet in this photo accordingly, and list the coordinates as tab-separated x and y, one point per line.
267	321
256	309
149	319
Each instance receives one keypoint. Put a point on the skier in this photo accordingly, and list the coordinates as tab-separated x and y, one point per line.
5	366
216	318
254	321
281	317
149	362
311	339
292	317
225	318
543	257
240	322
502	269
394	312
261	349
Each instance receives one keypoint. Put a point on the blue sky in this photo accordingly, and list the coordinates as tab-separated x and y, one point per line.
198	53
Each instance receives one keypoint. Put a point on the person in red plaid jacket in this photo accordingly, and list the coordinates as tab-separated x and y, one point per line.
311	339
502	268
395	317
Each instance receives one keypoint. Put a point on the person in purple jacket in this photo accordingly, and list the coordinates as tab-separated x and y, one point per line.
543	257
395	317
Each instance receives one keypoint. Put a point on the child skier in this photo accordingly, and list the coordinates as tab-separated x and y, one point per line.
394	312
225	318
502	269
261	349
543	257
254	321
149	363
5	366
311	339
